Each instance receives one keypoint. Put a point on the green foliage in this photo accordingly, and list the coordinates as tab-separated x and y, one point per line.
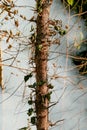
62	32
79	6
50	86
33	120
30	112
41	83
33	85
27	77
70	2
39	6
48	96
57	28
30	102
38	48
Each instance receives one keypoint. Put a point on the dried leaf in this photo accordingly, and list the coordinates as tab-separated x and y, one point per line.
11	32
23	17
16	23
9	1
18	34
10	46
9	14
6	18
7	40
15	12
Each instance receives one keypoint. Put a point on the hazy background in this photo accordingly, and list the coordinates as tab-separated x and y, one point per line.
68	91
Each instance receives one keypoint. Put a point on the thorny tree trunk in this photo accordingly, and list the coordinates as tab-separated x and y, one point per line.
41	55
1	85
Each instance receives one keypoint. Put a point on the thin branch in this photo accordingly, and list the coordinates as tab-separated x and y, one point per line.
12	93
79	14
53	124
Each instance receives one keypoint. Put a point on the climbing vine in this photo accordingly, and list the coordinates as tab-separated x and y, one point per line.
56	31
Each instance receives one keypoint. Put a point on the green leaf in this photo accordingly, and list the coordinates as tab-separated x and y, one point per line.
81	36
48	96
62	32
41	83
57	28
30	112
39	47
27	77
50	86
70	2
33	120
33	85
30	102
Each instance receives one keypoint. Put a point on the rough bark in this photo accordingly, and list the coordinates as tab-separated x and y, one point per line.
41	55
1	84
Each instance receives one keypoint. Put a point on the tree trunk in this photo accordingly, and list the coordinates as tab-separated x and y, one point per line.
1	83
41	55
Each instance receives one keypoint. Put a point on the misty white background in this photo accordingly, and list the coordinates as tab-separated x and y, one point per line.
68	90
